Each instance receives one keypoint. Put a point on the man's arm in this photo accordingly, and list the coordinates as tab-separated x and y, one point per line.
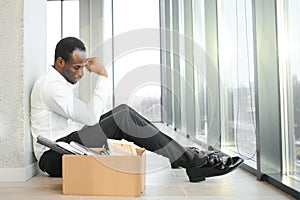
60	99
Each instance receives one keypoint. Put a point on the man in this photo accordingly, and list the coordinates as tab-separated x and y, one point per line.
57	113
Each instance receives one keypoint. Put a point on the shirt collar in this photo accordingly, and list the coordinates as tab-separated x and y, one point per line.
58	76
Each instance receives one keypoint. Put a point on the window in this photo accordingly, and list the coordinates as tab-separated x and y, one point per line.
289	61
62	21
137	71
200	70
236	64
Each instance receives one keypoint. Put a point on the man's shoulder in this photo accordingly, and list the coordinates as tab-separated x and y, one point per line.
47	84
47	79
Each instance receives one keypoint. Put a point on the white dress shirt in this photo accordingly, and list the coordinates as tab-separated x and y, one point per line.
56	111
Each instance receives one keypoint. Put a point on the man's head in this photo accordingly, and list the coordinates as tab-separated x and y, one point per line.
69	58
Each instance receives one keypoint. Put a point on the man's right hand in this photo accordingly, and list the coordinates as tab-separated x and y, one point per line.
94	65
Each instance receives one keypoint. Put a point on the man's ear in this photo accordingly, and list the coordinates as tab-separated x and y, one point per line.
60	63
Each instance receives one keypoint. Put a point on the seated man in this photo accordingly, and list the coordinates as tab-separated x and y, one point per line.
58	114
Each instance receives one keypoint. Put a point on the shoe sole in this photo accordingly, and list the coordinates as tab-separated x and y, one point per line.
199	174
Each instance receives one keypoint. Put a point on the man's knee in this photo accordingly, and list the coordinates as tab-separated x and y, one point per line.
123	107
51	163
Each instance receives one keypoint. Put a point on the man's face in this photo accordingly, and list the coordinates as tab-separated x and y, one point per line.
73	69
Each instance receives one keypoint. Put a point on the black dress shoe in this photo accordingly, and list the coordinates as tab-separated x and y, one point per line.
217	165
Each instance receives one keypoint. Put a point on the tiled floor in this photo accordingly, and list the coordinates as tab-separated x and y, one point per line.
162	183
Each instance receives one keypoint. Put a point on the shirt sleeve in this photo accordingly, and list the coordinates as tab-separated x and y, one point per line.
101	95
60	99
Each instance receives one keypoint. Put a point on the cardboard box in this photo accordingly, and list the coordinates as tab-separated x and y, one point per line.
104	175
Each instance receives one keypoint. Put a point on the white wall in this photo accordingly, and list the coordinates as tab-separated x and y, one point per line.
23	59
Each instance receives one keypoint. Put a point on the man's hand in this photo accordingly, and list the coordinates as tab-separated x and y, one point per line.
94	65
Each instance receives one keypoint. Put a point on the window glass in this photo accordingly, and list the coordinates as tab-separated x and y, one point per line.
71	18
53	28
200	70
289	61
236	64
182	65
62	21
137	70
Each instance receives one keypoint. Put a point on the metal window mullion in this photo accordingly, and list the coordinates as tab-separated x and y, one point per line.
212	74
269	158
61	19
113	55
162	26
281	29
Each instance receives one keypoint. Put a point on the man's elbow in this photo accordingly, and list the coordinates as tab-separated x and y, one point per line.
92	120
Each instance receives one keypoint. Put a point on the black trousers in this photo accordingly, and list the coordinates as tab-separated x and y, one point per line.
121	122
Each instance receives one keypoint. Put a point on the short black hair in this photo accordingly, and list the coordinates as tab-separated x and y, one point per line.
66	46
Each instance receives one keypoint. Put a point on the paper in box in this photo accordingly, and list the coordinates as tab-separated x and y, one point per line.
113	175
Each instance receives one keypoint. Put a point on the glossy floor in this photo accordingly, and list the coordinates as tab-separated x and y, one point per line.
162	183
